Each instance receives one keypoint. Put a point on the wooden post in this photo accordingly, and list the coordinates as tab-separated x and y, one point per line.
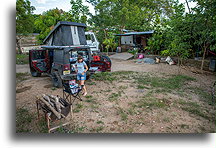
48	122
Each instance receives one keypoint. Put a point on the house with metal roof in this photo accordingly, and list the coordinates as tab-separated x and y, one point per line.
66	34
130	40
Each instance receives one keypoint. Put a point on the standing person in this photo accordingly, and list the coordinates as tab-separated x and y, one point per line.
81	69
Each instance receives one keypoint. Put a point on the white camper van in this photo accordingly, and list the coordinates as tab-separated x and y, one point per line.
92	41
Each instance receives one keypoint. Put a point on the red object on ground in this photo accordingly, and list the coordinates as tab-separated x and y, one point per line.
96	58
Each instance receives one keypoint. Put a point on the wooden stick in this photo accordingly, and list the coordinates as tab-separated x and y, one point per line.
59	126
58	115
54	97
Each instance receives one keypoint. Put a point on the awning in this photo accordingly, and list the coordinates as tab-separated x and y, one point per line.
136	33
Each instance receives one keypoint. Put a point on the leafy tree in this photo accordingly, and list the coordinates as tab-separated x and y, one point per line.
45	22
24	20
109	42
138	15
204	26
78	12
36	16
177	35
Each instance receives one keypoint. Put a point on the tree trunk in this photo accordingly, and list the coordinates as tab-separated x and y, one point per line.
105	34
188	6
203	58
18	45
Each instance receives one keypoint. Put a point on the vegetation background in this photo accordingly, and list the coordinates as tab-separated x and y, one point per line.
177	32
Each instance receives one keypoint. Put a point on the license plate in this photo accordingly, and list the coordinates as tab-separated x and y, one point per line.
66	72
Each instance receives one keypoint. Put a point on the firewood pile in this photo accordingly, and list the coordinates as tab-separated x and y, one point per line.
53	106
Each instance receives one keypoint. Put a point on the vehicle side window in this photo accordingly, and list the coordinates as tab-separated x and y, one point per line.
88	37
39	55
92	38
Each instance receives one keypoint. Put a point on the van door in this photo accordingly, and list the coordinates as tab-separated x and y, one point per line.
39	60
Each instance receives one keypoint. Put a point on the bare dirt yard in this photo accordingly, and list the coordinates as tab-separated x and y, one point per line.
133	98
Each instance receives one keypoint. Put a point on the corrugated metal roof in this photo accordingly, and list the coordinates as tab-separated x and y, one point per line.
63	23
136	33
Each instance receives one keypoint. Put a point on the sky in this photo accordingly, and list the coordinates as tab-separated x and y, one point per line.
44	5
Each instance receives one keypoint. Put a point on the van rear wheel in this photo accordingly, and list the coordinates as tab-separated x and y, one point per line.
107	59
56	79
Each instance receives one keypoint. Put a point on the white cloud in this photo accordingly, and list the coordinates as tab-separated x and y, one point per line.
41	7
41	1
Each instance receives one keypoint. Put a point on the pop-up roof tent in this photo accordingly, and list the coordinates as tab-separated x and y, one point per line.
66	34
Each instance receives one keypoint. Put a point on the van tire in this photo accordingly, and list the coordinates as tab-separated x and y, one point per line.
56	80
107	59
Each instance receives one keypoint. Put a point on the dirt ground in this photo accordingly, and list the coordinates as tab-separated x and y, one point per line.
114	107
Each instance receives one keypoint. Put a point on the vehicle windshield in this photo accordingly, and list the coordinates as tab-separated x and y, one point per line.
74	55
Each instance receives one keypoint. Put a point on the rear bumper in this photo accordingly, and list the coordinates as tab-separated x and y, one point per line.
68	77
74	76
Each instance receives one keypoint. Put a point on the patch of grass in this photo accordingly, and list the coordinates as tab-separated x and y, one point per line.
22	59
189	103
206	96
150	102
171	83
193	108
122	113
75	129
195	111
78	129
112	76
97	129
131	111
78	108
90	83
184	126
166	119
114	96
123	87
104	76
23	120
100	122
23	89
94	107
42	126
142	87
129	130
21	76
89	96
108	90
53	88
90	99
